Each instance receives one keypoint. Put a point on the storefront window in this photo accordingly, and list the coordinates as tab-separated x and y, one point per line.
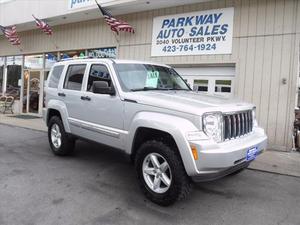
33	62
1	73
72	54
223	86
50	59
14	71
200	85
103	53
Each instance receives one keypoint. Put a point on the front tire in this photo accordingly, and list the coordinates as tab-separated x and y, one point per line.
60	142
161	174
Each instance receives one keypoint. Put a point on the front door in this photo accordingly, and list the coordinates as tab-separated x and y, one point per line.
103	114
33	92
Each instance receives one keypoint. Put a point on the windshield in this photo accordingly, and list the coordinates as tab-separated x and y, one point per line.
143	77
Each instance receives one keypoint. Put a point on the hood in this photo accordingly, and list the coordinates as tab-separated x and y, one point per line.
187	101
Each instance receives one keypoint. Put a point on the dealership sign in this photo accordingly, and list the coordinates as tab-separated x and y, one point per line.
196	33
77	4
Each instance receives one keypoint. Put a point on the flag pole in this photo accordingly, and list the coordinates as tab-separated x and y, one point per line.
114	33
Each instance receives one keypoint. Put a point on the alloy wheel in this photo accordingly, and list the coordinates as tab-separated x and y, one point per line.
157	173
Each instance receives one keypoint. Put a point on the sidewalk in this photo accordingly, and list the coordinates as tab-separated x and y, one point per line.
30	122
286	163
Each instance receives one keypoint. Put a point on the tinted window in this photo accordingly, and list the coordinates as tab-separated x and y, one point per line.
98	73
73	80
54	78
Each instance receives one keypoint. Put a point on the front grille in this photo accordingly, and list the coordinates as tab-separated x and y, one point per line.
237	124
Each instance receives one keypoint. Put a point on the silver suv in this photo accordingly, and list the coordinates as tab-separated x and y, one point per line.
172	134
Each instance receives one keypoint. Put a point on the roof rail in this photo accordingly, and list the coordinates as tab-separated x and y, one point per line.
85	57
78	58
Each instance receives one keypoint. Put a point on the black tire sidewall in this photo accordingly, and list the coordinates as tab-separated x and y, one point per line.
172	194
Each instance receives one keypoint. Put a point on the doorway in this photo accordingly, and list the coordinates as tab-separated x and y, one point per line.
33	84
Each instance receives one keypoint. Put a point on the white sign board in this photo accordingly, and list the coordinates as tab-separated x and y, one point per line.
195	33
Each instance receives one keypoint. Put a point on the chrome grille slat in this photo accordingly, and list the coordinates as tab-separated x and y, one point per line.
229	126
234	126
250	120
246	123
242	124
237	124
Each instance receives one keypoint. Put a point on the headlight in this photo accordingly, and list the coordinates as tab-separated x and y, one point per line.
254	122
213	125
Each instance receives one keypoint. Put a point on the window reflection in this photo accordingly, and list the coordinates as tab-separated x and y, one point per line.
72	54
33	62
50	59
14	71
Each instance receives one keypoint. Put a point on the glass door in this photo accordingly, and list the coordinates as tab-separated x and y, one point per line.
33	92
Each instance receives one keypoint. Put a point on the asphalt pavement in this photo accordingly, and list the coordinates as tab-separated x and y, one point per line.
97	185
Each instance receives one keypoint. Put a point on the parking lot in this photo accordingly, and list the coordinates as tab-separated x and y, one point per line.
97	185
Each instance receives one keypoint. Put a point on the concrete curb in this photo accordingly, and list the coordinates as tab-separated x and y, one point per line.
272	172
28	128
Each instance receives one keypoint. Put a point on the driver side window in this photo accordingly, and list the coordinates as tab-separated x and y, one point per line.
98	72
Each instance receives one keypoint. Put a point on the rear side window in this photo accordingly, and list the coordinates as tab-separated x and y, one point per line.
98	72
55	76
74	77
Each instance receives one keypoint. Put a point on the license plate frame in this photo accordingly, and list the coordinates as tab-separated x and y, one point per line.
251	153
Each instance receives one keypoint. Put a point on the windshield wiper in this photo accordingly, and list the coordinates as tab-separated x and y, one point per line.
146	89
176	89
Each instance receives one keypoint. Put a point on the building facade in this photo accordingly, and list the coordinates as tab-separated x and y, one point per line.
259	64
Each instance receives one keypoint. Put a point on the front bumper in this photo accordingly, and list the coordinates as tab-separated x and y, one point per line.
216	160
220	174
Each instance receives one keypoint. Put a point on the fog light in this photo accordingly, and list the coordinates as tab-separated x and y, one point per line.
195	152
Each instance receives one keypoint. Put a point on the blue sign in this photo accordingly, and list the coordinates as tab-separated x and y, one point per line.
103	53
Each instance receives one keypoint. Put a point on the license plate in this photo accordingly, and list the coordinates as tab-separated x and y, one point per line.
251	154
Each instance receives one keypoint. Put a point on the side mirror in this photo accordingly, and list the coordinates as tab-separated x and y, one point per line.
101	87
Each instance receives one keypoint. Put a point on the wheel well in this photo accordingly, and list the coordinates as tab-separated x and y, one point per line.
144	134
51	113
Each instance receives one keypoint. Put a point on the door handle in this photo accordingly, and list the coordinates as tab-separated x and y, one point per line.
85	98
61	94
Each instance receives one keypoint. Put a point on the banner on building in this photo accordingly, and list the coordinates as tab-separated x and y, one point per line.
195	33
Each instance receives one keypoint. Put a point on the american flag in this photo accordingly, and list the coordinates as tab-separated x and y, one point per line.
45	27
11	34
116	25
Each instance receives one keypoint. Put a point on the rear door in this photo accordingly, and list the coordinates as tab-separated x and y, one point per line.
71	93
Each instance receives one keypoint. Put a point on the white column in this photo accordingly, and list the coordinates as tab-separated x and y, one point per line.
22	86
4	77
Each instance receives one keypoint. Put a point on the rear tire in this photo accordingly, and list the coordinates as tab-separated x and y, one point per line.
175	175
60	142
